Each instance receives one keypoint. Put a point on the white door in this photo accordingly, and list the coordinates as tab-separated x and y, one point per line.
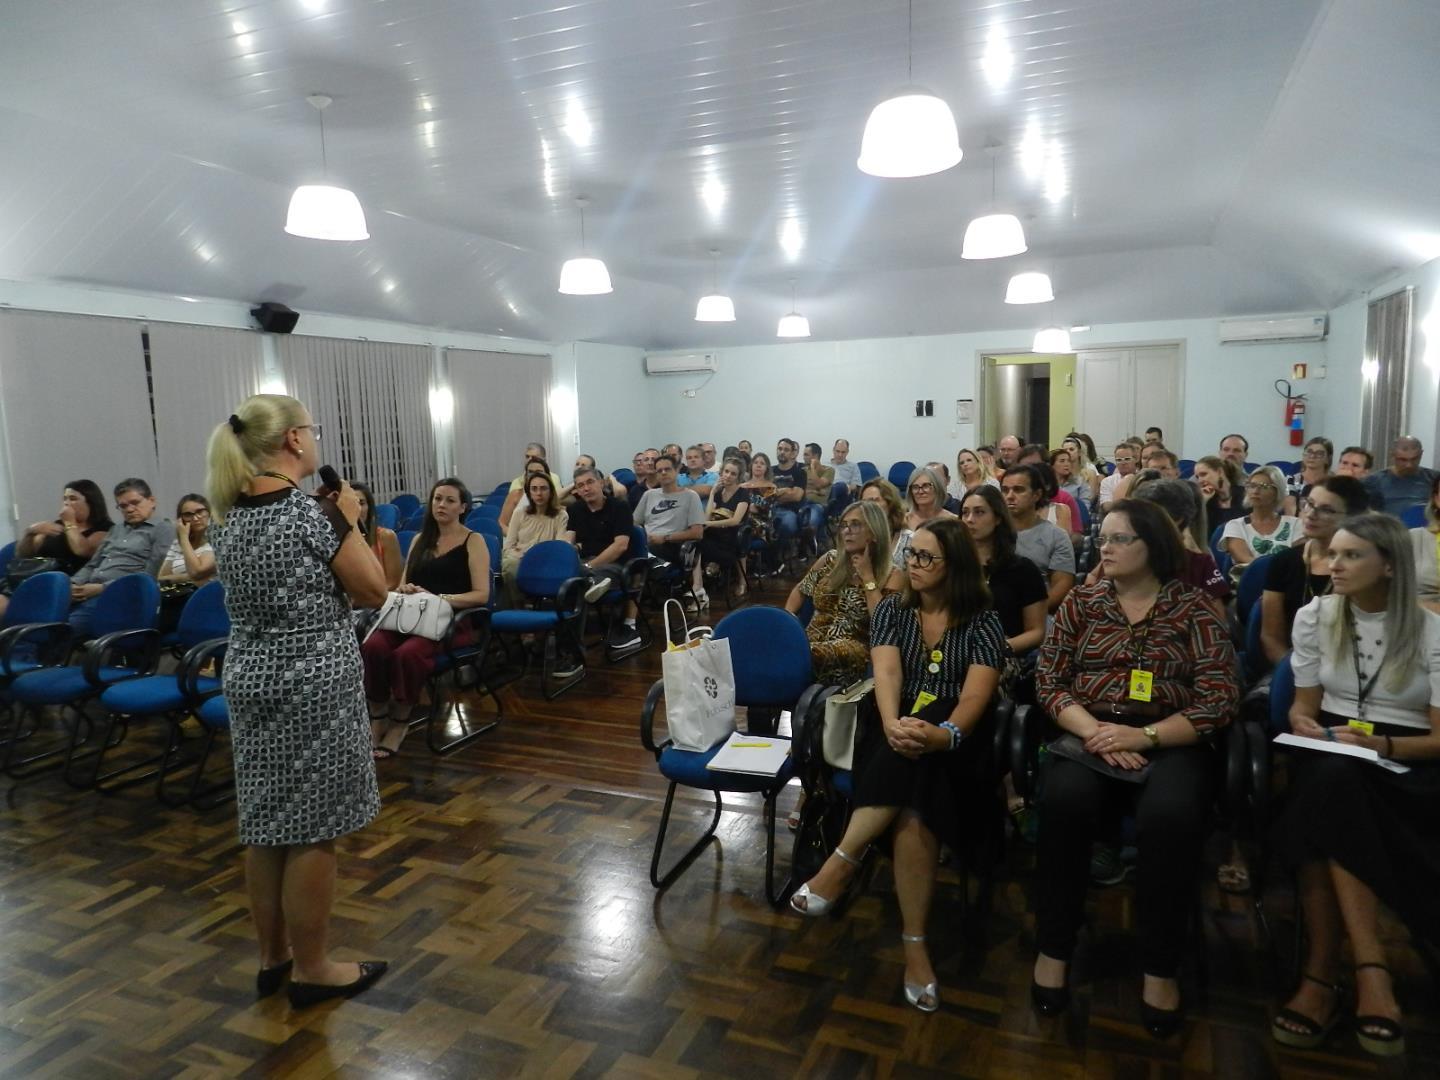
1104	399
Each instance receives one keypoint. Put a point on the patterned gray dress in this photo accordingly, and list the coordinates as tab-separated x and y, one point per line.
298	724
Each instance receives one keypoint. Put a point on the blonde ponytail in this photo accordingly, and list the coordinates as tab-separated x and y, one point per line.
241	445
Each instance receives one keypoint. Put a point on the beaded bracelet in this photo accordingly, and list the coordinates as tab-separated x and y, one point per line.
956	735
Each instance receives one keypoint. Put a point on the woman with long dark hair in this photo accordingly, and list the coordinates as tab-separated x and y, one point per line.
542	519
71	539
937	650
1017	588
447	561
383	542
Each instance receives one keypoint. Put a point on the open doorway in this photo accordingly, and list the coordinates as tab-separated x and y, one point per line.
1030	395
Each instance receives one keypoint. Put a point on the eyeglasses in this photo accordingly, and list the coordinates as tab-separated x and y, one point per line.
1306	506
130	504
192	515
926	486
1318	451
1117	539
1259	485
852	526
922	559
316	428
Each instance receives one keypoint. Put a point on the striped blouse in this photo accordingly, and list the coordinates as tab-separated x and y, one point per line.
981	640
1091	648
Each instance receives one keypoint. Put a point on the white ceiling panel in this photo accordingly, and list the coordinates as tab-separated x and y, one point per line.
1247	152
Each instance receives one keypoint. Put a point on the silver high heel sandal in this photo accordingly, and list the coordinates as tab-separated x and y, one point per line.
925	997
814	904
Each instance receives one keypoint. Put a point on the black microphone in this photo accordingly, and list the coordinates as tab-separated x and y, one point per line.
330	478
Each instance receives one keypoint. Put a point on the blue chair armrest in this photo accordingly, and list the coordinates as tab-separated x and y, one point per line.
101	648
647	719
479	618
192	664
1025	731
569	598
12	636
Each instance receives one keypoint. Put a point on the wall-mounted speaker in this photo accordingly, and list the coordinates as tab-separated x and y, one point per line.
275	318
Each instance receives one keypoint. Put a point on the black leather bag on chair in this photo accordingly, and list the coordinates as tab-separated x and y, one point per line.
26	567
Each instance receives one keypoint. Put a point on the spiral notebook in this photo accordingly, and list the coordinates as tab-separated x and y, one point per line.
755	755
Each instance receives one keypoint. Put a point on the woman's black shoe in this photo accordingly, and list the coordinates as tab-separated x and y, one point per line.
270	979
1049	1000
303	995
1161	1023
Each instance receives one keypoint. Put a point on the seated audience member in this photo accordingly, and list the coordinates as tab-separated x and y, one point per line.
1057	506
614	486
190	556
670	515
1124	466
542	519
1139	619
1219	480
695	475
136	545
707	452
745	448
599	527
1425	545
845	584
449	561
989	459
1153	435
1042	542
1170	465
1017	588
726	511
1367	674
1007	450
1235	449
1301	572
948	501
1355	461
847	472
1067	480
1264	529
1181	502
790	513
533	452
382	541
643	466
926	493
970	473
1405	483
937	650
1087	463
1315	462
819	477
72	538
881	491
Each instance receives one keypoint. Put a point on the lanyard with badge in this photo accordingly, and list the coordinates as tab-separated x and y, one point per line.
932	666
1363	686
1141	681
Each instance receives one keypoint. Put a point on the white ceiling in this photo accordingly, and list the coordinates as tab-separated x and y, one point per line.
1169	159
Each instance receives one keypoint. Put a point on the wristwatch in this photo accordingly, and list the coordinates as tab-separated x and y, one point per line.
870	586
1154	736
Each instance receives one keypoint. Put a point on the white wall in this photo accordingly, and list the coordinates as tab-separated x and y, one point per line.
615	415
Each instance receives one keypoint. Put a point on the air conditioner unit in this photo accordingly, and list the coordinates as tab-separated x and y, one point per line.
682	363
1269	329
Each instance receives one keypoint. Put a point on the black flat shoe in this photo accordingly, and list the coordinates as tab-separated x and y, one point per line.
1049	1000
1161	1023
303	995
270	979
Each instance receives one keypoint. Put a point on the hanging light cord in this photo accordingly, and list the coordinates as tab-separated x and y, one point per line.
582	229
324	161
910	45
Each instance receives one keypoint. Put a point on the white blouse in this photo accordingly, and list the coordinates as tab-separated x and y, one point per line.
1262	543
1427	563
1314	666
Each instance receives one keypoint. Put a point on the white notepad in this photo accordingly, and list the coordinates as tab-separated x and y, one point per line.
757	755
1304	742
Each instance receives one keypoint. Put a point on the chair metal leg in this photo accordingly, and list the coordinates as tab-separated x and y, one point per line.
59	752
137	772
789	884
661	882
547	673
441	705
197	793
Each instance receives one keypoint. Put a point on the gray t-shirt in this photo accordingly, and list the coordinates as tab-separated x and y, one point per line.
1048	547
129	549
658	512
848	473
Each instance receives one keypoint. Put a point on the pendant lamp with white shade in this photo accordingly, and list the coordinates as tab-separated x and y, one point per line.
912	133
716	307
1030	287
1053	339
324	211
584	275
993	236
793	325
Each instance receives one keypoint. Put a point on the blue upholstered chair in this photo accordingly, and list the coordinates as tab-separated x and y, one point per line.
1187	468
406	537
899	475
125	645
868	471
7	553
1413	517
1252	584
1222	557
611	606
34	631
405	504
625	476
771	660
387	515
202	634
486	525
550	578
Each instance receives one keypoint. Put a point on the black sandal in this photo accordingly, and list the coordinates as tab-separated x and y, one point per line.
1307	1034
383	753
1379	1035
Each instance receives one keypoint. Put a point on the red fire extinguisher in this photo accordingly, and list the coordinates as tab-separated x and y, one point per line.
1294	412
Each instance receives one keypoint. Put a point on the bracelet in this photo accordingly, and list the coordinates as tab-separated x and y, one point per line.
956	735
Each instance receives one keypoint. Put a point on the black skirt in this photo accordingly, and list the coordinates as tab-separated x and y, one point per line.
1382	827
953	792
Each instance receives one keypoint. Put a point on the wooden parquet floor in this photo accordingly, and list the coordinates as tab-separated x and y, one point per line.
507	886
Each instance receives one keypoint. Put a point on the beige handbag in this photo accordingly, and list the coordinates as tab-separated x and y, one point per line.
841	712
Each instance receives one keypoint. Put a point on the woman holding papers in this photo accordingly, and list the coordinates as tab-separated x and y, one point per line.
1138	673
937	649
1367	674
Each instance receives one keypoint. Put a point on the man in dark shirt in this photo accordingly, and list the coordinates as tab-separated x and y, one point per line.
792	512
600	528
1404	485
643	465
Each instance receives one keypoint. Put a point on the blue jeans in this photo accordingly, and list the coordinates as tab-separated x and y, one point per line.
789	520
81	616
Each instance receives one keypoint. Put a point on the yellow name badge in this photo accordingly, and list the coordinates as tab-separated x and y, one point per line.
1364	727
921	700
1140	683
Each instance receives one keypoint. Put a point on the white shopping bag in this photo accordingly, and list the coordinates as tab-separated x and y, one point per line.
699	686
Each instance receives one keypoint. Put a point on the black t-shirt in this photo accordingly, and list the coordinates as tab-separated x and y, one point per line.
1014	586
58	548
1217	515
596	530
739	496
1287	573
789	477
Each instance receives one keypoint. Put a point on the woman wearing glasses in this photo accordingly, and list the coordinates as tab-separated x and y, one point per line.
1367	674
846	584
1138	673
926	492
1425	544
190	558
1315	462
1264	529
937	649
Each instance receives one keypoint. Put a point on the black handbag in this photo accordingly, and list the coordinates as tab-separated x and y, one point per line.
26	567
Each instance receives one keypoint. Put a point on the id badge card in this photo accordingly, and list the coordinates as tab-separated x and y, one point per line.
1364	727
1140	683
923	698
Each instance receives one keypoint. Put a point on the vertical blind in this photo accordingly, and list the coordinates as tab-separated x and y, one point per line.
1385	385
501	403
372	399
76	406
200	375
